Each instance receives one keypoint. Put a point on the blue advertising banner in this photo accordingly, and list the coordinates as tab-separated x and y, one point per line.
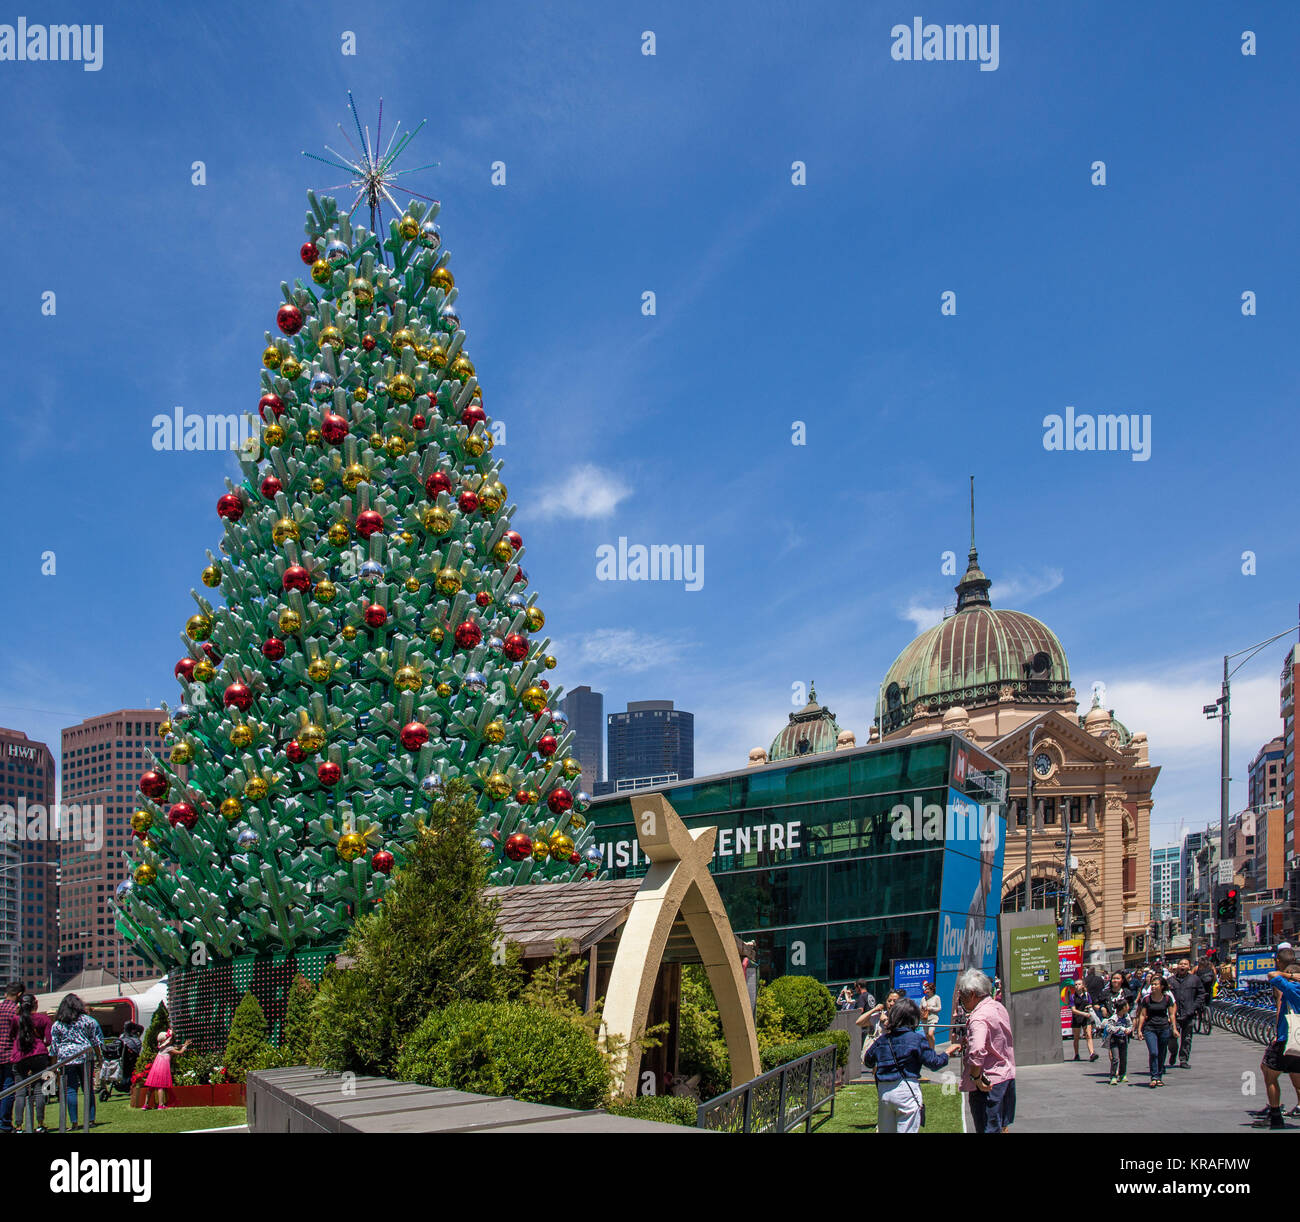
910	974
1254	965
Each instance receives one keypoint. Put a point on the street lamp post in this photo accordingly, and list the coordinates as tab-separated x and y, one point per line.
1029	822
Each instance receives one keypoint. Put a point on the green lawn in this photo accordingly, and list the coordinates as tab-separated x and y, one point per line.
117	1116
855	1111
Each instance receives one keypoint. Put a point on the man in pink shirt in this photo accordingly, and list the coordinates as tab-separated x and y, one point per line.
989	1059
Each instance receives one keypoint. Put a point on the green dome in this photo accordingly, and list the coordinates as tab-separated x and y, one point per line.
811	730
971	657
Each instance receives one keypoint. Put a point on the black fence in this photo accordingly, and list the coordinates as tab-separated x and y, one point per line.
777	1101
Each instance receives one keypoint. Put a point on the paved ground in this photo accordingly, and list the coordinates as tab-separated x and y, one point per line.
1223	1084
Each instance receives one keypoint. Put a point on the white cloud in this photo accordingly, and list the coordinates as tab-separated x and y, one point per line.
1012	590
587	492
621	649
922	615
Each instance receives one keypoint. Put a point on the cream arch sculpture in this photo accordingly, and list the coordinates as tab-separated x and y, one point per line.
678	880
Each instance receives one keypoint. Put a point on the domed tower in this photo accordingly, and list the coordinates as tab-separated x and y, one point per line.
809	732
1000	667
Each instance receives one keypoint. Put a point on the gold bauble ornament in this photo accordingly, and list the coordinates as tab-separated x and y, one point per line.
489	440
348	632
490	502
256	789
164	729
437	356
495	732
541	850
463	368
533	699
448	581
443	690
354	475
550	662
499	490
351	845
360	394
284	530
403	337
311	738
231	809
376	441
290	367
181	753
204	670
332	337
412	585
198	627
436	634
318	485
141	821
318	671
561	847
397	446
325	592
338	534
576	820
502	551
271	357
408	227
475	445
497	785
321	272
290	620
437	520
442	278
534	618
407	679
406	538
211	576
241	736
363	292
572	768
145	874
422	351
312	438
274	435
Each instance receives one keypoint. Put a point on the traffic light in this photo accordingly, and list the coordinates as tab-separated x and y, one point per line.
1229	902
1140	943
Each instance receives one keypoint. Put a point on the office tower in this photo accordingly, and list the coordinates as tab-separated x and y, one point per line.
103	758
29	859
649	744
585	710
1166	883
1265	776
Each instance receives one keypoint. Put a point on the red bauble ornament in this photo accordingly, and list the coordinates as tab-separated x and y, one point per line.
414	735
418	421
296	578
230	507
211	650
521	578
270	486
547	744
468	501
544	684
514	538
333	428
589	874
438	482
515	647
239	696
270	403
153	785
185	669
182	815
368	342
522	797
472	415
483	598
519	846
307	253
328	772
375	615
369	522
293	750
289	319
559	800
468	634
273	648
574	859
382	862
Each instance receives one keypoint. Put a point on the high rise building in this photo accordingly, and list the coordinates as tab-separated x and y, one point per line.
651	743
1265	777
1166	883
585	710
1194	912
1290	674
103	758
29	859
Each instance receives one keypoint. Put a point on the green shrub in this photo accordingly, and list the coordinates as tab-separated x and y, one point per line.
770	1023
268	1056
771	1058
299	1022
157	1025
806	1002
509	1049
666	1109
701	1050
247	1037
430	943
198	1068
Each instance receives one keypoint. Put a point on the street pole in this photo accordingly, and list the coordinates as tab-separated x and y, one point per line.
1224	715
1029	824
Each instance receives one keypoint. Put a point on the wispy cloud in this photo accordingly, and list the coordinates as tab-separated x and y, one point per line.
1011	590
621	649
587	492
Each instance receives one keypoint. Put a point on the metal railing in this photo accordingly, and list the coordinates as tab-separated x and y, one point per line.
777	1101
86	1059
1248	1014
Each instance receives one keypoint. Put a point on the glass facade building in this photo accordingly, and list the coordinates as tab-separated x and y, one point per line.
840	864
651	739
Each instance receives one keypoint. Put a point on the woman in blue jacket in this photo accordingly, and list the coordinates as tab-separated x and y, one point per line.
897	1056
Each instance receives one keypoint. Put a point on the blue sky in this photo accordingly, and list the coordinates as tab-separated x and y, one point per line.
776	303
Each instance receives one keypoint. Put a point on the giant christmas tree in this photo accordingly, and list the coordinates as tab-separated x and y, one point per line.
375	638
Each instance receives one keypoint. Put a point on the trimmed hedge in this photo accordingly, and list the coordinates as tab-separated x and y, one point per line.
806	1003
667	1109
507	1049
771	1058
